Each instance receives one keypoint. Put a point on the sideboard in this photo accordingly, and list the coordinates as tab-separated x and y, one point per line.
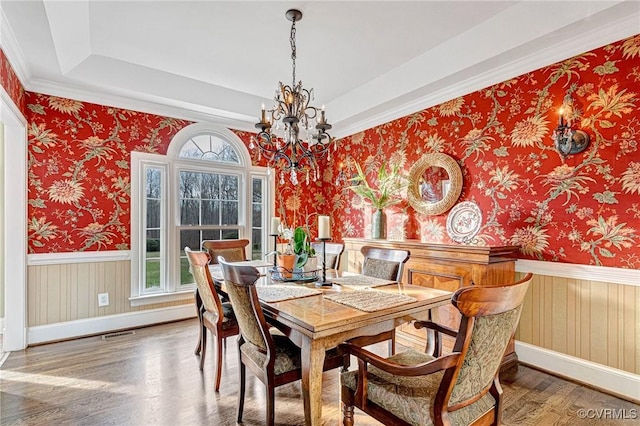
446	267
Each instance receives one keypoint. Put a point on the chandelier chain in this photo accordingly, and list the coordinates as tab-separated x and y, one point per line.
292	40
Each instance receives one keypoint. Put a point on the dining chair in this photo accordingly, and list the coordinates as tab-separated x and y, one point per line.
215	316
269	354
387	264
461	388
232	250
332	256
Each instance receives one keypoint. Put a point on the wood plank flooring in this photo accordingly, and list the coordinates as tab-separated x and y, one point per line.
152	378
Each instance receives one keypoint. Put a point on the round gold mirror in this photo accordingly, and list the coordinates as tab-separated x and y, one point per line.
435	183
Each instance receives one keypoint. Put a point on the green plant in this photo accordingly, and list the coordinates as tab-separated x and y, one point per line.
301	244
385	192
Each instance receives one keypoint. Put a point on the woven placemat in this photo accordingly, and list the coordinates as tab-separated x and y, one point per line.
278	293
369	300
360	281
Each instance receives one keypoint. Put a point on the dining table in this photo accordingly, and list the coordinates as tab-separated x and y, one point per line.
319	317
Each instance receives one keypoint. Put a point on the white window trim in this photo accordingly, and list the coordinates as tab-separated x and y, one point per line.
172	165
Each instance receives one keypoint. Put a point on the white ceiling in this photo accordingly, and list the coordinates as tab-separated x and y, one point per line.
368	61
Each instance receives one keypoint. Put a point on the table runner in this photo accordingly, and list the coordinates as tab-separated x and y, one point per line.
278	293
369	300
360	281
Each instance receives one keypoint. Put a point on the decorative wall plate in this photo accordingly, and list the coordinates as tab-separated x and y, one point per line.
463	222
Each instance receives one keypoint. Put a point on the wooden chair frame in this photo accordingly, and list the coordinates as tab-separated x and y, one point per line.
246	276
472	302
200	259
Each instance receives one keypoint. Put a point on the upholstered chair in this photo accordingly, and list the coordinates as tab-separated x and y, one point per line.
232	250
460	388
215	316
385	264
269	354
332	255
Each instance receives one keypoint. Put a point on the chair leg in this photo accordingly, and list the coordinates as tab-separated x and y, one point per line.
203	348
347	414
392	343
271	395
241	393
218	361
199	307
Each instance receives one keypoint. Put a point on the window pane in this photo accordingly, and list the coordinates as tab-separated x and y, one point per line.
153	213
256	215
189	238
185	275
210	212
209	234
256	246
189	185
152	274
230	234
257	191
153	244
210	184
229	187
154	183
209	148
229	213
189	212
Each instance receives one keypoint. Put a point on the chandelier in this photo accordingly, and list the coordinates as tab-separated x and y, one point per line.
279	138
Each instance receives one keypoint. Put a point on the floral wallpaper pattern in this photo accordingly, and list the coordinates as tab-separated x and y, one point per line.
9	80
79	176
583	209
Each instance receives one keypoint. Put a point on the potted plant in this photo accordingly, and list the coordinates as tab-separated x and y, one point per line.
386	192
303	250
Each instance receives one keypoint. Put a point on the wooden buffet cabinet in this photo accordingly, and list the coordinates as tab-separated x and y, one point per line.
446	267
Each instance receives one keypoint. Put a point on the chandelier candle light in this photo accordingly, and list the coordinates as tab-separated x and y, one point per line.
291	112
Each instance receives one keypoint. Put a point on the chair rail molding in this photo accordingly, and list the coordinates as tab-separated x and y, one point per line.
78	257
580	272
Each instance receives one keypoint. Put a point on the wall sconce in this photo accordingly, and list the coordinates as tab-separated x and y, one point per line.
568	140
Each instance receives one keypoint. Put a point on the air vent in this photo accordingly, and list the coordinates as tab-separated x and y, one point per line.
118	334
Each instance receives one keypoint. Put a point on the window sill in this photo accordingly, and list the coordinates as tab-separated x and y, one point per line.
151	299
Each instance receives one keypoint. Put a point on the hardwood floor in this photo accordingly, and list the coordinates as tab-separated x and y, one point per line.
152	378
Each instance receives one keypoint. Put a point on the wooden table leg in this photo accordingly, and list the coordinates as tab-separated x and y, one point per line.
312	361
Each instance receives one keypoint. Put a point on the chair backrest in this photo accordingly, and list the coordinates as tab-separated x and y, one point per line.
231	250
383	263
199	267
332	255
240	286
490	316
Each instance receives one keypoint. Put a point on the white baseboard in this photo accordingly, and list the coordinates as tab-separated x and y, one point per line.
2	325
97	325
596	375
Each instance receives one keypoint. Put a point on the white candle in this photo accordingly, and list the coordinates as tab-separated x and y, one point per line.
275	225
323	227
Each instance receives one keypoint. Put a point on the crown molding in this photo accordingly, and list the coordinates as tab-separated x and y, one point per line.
12	51
144	103
593	39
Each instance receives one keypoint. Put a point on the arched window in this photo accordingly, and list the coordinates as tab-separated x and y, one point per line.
205	188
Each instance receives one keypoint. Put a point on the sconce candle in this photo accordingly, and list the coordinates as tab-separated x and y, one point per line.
324	231
275	225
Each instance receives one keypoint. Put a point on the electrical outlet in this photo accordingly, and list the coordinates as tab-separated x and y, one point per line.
103	299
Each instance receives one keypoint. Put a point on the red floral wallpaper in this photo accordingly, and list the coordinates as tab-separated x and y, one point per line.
584	209
79	176
9	81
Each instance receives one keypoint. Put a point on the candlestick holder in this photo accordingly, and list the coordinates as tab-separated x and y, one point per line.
324	281
275	251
